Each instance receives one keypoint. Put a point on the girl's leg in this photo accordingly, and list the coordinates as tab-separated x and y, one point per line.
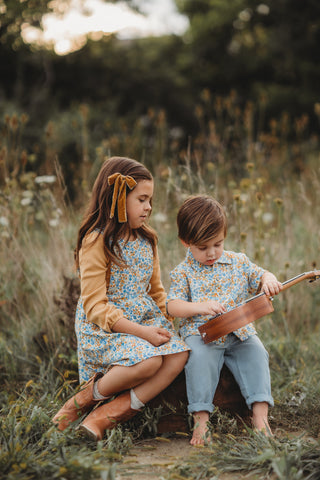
202	377
171	366
120	378
249	363
116	380
124	406
148	378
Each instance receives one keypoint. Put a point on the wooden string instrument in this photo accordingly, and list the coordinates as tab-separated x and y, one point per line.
247	312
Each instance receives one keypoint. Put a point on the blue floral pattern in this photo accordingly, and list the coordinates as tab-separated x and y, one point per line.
230	281
98	350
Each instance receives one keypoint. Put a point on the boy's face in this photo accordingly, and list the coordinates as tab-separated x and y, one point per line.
208	252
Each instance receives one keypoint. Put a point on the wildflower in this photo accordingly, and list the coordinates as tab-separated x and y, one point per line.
245	183
160	217
54	222
27	194
45	179
205	95
317	109
4	222
49	129
278	201
164	172
199	111
250	166
267	218
176	132
263	9
26	201
24	118
259	196
14	122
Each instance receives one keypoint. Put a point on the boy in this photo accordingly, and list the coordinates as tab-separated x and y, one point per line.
210	281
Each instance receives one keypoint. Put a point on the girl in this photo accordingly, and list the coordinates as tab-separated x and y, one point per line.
211	281
125	341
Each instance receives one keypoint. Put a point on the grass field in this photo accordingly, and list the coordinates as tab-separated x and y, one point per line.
268	183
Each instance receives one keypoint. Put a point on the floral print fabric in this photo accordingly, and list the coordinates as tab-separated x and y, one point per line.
230	281
98	350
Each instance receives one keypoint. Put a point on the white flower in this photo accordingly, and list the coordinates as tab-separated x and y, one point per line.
267	217
45	179
160	217
263	9
27	194
4	222
26	201
54	222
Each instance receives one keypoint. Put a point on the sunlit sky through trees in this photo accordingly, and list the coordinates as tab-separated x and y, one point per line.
68	28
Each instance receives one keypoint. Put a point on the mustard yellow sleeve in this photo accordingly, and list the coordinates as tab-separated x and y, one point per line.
157	291
93	280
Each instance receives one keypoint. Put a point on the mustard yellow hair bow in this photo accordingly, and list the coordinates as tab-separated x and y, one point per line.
120	194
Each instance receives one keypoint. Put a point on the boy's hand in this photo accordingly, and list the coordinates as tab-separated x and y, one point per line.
156	335
270	285
210	307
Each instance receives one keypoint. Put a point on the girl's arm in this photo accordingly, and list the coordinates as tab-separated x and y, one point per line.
154	335
183	308
93	271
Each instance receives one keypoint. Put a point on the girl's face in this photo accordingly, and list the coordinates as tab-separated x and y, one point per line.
139	203
208	252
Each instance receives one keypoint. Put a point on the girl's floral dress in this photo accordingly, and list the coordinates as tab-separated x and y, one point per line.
98	349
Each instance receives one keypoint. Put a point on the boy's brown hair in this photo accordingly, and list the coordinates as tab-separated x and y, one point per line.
199	219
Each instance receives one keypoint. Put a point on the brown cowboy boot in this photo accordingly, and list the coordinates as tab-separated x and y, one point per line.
77	405
108	416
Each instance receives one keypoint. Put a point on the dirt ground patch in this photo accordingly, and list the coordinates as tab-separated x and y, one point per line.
153	459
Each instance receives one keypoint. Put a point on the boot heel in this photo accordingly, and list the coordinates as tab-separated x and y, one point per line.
77	405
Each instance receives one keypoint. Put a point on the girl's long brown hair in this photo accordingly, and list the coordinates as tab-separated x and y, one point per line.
97	217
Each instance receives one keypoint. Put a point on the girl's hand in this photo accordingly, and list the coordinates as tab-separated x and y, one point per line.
210	307
155	335
270	285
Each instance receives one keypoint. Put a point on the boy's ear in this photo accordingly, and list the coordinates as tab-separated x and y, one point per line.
185	244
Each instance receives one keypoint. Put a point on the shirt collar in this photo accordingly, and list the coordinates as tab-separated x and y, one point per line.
200	266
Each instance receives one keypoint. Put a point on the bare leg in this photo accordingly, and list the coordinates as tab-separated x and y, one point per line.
171	366
148	378
200	430
121	378
260	417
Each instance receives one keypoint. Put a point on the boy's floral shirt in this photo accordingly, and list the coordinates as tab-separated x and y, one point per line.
230	281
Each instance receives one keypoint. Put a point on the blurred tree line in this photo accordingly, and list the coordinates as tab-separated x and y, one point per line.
268	52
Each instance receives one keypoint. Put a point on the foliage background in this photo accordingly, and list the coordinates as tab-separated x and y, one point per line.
231	108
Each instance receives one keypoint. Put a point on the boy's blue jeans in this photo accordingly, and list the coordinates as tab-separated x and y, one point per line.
247	360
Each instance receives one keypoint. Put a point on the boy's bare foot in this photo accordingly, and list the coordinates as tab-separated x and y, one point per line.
260	418
200	430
